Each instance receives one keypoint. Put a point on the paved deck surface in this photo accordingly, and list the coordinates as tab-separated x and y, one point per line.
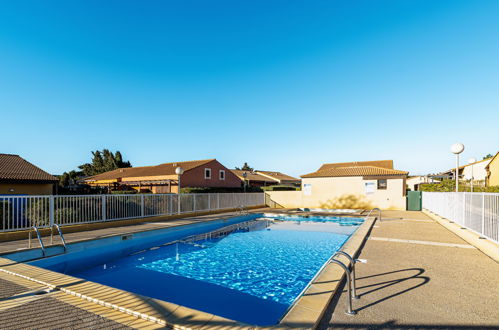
419	275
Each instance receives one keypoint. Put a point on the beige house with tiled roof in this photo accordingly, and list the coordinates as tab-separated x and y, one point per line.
163	179
20	177
349	185
492	169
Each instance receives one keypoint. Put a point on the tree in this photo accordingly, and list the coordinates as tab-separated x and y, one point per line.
245	167
488	156
103	161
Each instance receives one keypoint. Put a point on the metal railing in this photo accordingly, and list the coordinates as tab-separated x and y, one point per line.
58	228
39	237
350	275
478	212
24	212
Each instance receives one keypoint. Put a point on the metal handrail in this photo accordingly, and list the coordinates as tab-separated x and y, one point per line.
349	311
242	209
35	228
60	234
352	262
375	209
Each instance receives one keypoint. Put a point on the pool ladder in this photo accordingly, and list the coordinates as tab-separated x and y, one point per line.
350	274
42	246
242	209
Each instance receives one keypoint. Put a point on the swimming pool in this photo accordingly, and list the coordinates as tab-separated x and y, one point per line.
251	275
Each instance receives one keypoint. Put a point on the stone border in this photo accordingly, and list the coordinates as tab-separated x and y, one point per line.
488	247
305	313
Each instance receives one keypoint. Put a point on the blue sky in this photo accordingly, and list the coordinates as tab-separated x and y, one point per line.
283	85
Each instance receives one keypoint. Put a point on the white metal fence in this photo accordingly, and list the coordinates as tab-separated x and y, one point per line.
23	212
478	212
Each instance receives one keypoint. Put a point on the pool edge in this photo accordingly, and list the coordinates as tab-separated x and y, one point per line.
307	311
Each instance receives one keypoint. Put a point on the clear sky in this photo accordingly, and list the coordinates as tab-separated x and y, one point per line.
282	85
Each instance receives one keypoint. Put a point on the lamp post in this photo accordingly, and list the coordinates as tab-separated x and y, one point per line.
244	183
471	161
179	171
456	149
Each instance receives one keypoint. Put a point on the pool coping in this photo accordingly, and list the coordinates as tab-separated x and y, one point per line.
306	312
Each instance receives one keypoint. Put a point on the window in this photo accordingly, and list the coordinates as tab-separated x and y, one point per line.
207	173
221	175
382	184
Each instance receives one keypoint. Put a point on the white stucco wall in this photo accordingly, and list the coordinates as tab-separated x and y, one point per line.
478	170
343	192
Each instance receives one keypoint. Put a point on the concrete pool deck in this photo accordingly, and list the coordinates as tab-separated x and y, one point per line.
419	275
406	283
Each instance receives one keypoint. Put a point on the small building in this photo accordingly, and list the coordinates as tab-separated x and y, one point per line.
265	178
253	179
492	169
281	178
162	178
20	177
355	185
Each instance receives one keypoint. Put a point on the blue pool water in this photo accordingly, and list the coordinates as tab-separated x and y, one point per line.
248	276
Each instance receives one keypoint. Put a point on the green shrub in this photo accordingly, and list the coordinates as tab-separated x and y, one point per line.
450	186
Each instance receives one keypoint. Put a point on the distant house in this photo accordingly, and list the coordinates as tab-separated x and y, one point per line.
476	170
253	179
492	169
413	182
265	178
355	185
281	178
163	179
20	177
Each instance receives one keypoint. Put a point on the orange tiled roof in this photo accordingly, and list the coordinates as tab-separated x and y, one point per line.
252	176
377	163
355	171
13	167
278	175
156	170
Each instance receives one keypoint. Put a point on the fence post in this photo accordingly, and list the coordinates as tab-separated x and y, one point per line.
142	205
170	197
194	202
51	210
218	201
464	209
209	202
483	214
103	205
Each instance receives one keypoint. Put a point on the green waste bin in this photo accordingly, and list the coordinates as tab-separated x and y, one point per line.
414	200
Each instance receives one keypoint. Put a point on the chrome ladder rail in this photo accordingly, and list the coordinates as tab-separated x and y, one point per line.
352	271
242	209
350	310
375	209
60	234
35	228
